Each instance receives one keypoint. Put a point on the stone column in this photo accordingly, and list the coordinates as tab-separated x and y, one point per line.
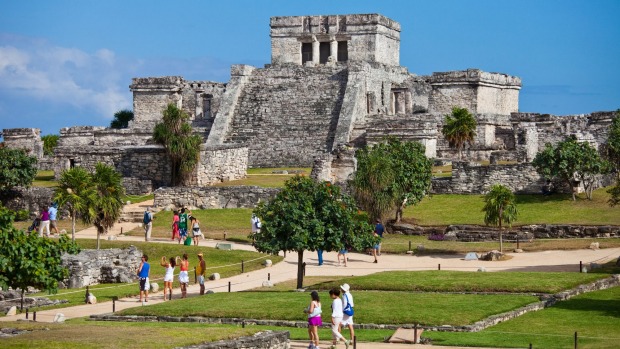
315	50
333	49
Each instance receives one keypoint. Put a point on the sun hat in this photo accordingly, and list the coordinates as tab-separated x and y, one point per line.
200	254
345	287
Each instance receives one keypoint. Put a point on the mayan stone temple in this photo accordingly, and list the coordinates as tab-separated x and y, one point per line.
334	83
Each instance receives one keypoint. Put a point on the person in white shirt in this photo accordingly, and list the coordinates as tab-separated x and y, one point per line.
347	298
337	315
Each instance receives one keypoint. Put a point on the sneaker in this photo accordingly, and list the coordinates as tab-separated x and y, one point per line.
346	344
333	346
375	261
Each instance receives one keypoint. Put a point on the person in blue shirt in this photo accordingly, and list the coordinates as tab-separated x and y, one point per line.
53	211
379	229
143	274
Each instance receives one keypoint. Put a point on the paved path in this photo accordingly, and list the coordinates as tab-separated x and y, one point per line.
359	264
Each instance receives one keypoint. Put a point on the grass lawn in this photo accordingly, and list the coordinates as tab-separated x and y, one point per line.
397	243
448	209
595	316
137	198
235	222
463	281
44	179
94	335
217	261
264	177
382	307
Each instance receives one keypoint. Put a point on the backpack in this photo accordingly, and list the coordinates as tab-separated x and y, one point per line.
147	218
257	223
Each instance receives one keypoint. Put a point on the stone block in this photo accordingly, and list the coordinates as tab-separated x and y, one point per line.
209	292
59	317
482	269
91	299
594	246
471	256
154	287
267	284
492	256
12	311
224	246
214	276
267	263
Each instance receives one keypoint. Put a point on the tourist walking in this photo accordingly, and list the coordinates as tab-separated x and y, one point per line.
379	229
183	275
169	276
148	224
343	253
175	225
45	223
182	225
314	319
337	315
53	211
196	233
143	274
319	253
256	224
200	271
347	309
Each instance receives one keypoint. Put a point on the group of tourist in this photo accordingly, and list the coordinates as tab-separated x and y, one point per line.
181	221
341	315
46	221
170	264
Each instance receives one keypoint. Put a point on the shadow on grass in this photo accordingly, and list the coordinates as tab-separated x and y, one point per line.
606	307
539	198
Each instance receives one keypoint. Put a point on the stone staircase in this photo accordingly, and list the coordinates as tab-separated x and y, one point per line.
134	213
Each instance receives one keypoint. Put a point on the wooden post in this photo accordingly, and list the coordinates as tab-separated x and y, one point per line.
438	266
228	286
86	296
575	339
268	276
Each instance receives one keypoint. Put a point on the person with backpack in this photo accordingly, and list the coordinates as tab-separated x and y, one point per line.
148	224
347	309
183	220
256	224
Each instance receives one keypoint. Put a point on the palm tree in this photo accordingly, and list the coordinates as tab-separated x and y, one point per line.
460	128
182	147
500	207
374	184
76	192
108	203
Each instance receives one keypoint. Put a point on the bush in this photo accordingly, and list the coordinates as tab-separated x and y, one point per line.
22	215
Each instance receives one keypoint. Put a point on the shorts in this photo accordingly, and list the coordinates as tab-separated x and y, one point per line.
183	277
347	320
315	321
201	279
377	246
182	232
143	283
196	233
343	251
53	223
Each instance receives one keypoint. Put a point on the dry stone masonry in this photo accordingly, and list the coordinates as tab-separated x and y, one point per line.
92	267
334	82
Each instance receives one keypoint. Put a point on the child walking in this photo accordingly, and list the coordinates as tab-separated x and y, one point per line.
337	315
314	320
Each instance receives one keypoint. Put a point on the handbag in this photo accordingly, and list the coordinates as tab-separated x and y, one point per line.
348	310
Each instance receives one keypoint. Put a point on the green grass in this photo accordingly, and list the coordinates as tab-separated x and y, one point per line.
462	281
448	209
94	335
235	222
269	170
383	307
397	243
595	316
138	198
44	179
217	261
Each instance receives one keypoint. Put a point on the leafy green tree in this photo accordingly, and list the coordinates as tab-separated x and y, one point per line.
49	144
108	201
182	147
121	119
27	260
572	162
16	168
391	176
307	215
76	192
500	207
459	128
612	154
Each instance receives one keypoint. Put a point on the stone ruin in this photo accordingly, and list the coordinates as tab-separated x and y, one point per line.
92	267
334	84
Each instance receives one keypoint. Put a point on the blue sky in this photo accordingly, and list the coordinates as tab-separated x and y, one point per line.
70	62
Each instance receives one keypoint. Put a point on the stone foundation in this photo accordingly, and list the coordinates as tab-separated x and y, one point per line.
91	267
212	197
33	199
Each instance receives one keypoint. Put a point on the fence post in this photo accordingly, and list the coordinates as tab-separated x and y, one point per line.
86	296
195	277
34	316
224	236
518	240
415	334
228	286
114	299
580	266
438	266
575	339
26	313
354	342
268	276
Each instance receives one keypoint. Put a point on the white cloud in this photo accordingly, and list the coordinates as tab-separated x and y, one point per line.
93	82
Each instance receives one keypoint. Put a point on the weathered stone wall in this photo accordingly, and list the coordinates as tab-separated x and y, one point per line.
212	197
261	340
92	267
288	114
369	37
33	199
472	178
28	139
336	167
219	164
